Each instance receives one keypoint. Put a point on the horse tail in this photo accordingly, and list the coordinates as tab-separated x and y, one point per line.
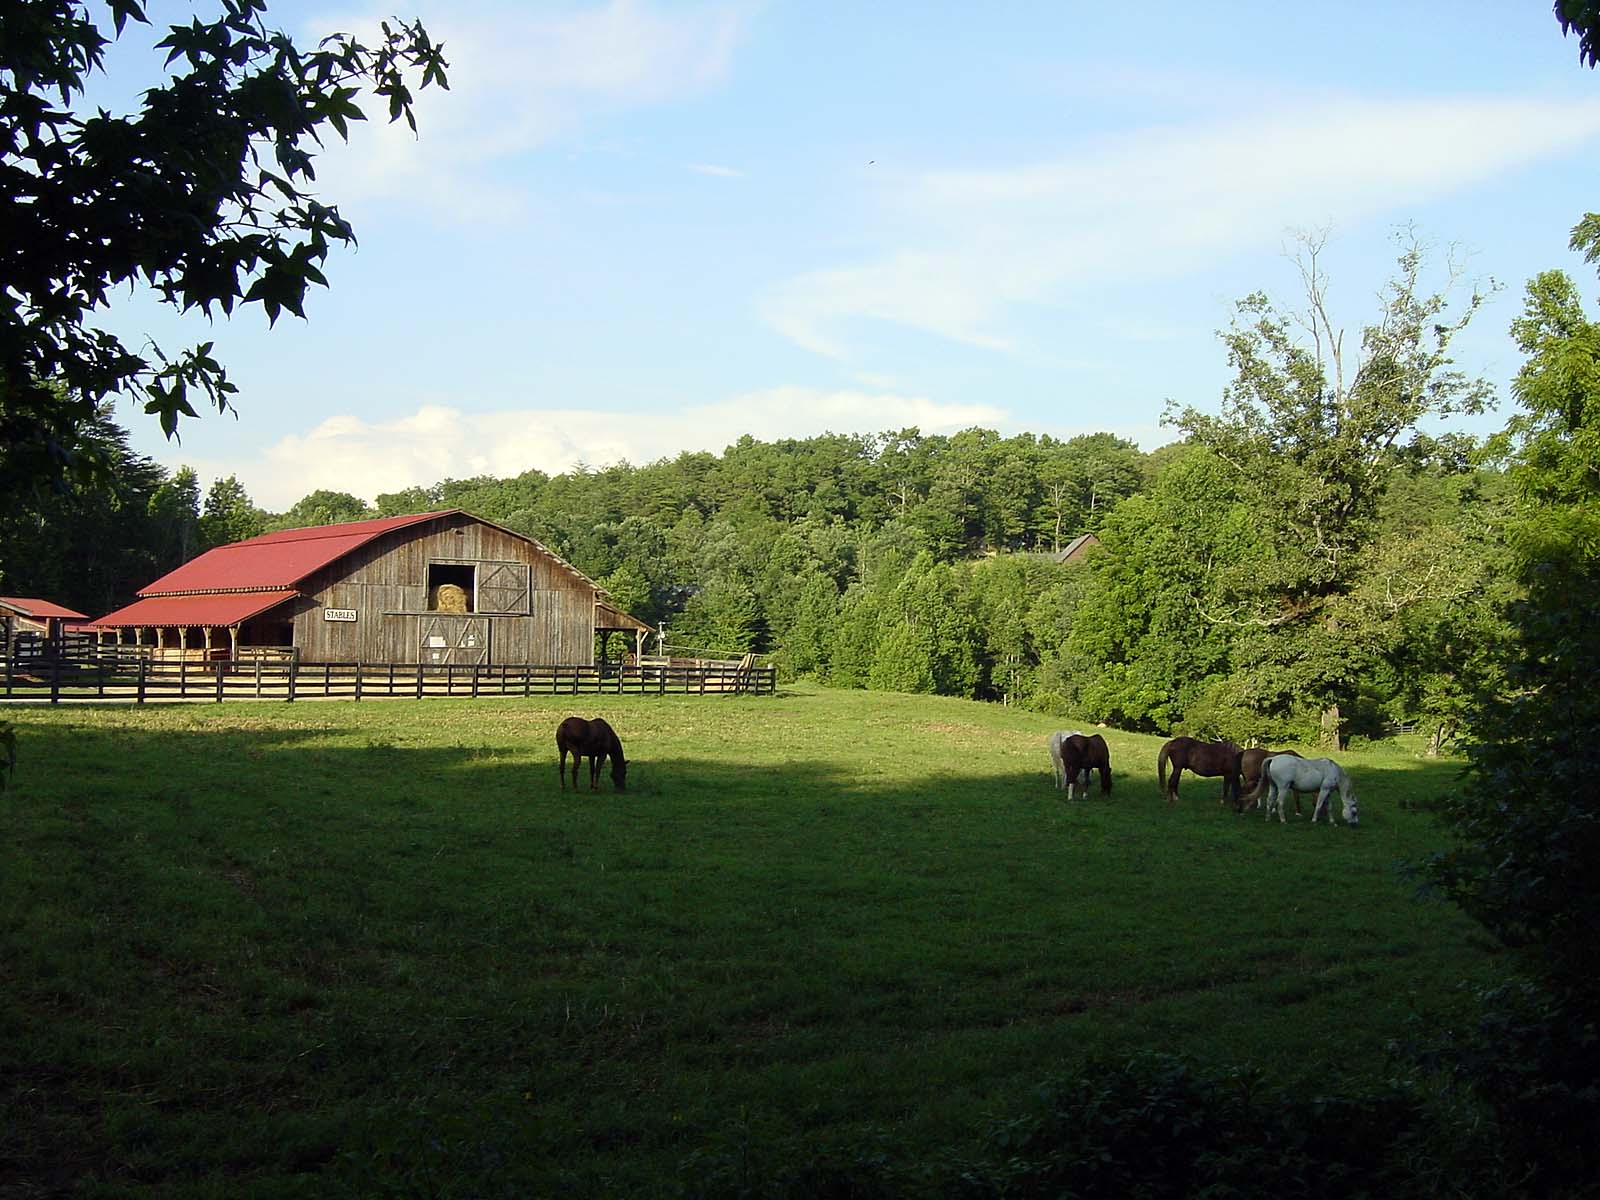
1261	783
1161	767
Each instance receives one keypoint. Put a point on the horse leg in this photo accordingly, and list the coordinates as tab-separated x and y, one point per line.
562	771
1321	807
1172	790
594	772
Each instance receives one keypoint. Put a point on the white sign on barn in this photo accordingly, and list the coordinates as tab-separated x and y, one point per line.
338	614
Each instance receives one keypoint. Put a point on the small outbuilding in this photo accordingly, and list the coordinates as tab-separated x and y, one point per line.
34	627
438	588
43	618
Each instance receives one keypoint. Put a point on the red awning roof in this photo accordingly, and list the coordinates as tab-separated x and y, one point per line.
231	608
40	609
276	560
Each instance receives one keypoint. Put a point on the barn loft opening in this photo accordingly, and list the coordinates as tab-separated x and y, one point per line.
452	587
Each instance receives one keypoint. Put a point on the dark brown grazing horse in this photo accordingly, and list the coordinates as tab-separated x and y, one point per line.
1203	758
1250	764
1081	753
595	739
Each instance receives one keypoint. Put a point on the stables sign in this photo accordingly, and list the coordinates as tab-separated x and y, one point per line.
338	614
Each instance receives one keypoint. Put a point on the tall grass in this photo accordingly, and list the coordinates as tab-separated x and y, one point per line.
254	949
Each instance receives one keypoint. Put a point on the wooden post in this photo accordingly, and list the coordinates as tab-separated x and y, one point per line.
219	665
358	680
183	670
143	664
419	680
475	681
55	679
294	670
391	679
327	679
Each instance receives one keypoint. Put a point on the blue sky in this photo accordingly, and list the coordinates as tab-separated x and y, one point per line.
636	228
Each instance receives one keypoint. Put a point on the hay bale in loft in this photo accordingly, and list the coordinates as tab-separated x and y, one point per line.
449	597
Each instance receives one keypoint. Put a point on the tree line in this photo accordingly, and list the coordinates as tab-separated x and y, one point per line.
1304	564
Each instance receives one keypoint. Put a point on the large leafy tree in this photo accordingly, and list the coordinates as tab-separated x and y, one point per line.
1317	432
202	195
1526	861
1582	17
1529	861
175	517
90	544
229	515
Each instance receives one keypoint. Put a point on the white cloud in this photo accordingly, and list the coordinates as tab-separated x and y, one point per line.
344	453
1161	201
520	78
716	171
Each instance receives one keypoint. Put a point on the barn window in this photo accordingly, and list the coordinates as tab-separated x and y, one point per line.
450	587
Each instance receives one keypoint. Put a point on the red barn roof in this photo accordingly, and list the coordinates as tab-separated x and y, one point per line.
212	608
40	609
276	560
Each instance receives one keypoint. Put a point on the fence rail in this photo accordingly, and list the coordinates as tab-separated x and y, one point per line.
77	678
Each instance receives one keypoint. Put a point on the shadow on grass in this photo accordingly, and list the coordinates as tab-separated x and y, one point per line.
247	958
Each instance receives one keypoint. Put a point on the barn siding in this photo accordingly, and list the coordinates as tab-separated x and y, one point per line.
386	583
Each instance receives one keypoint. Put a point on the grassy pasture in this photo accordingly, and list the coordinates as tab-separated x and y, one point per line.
372	949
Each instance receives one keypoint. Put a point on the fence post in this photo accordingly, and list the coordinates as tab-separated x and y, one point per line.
391	680
474	681
294	673
55	680
143	664
358	680
100	674
258	676
183	676
419	681
220	665
327	679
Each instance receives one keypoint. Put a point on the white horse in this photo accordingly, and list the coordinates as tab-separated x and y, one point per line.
1082	777
1284	773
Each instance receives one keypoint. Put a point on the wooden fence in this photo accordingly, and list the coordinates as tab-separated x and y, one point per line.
88	678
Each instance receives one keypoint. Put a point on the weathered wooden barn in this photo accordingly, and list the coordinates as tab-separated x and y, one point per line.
42	618
438	588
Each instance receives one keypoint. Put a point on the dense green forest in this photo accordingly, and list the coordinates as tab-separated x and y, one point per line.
924	563
1306	563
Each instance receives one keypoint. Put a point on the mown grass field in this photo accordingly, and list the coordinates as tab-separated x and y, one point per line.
373	949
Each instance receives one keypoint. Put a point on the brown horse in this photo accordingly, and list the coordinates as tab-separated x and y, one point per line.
1254	782
1081	754
1203	758
597	740
1250	763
